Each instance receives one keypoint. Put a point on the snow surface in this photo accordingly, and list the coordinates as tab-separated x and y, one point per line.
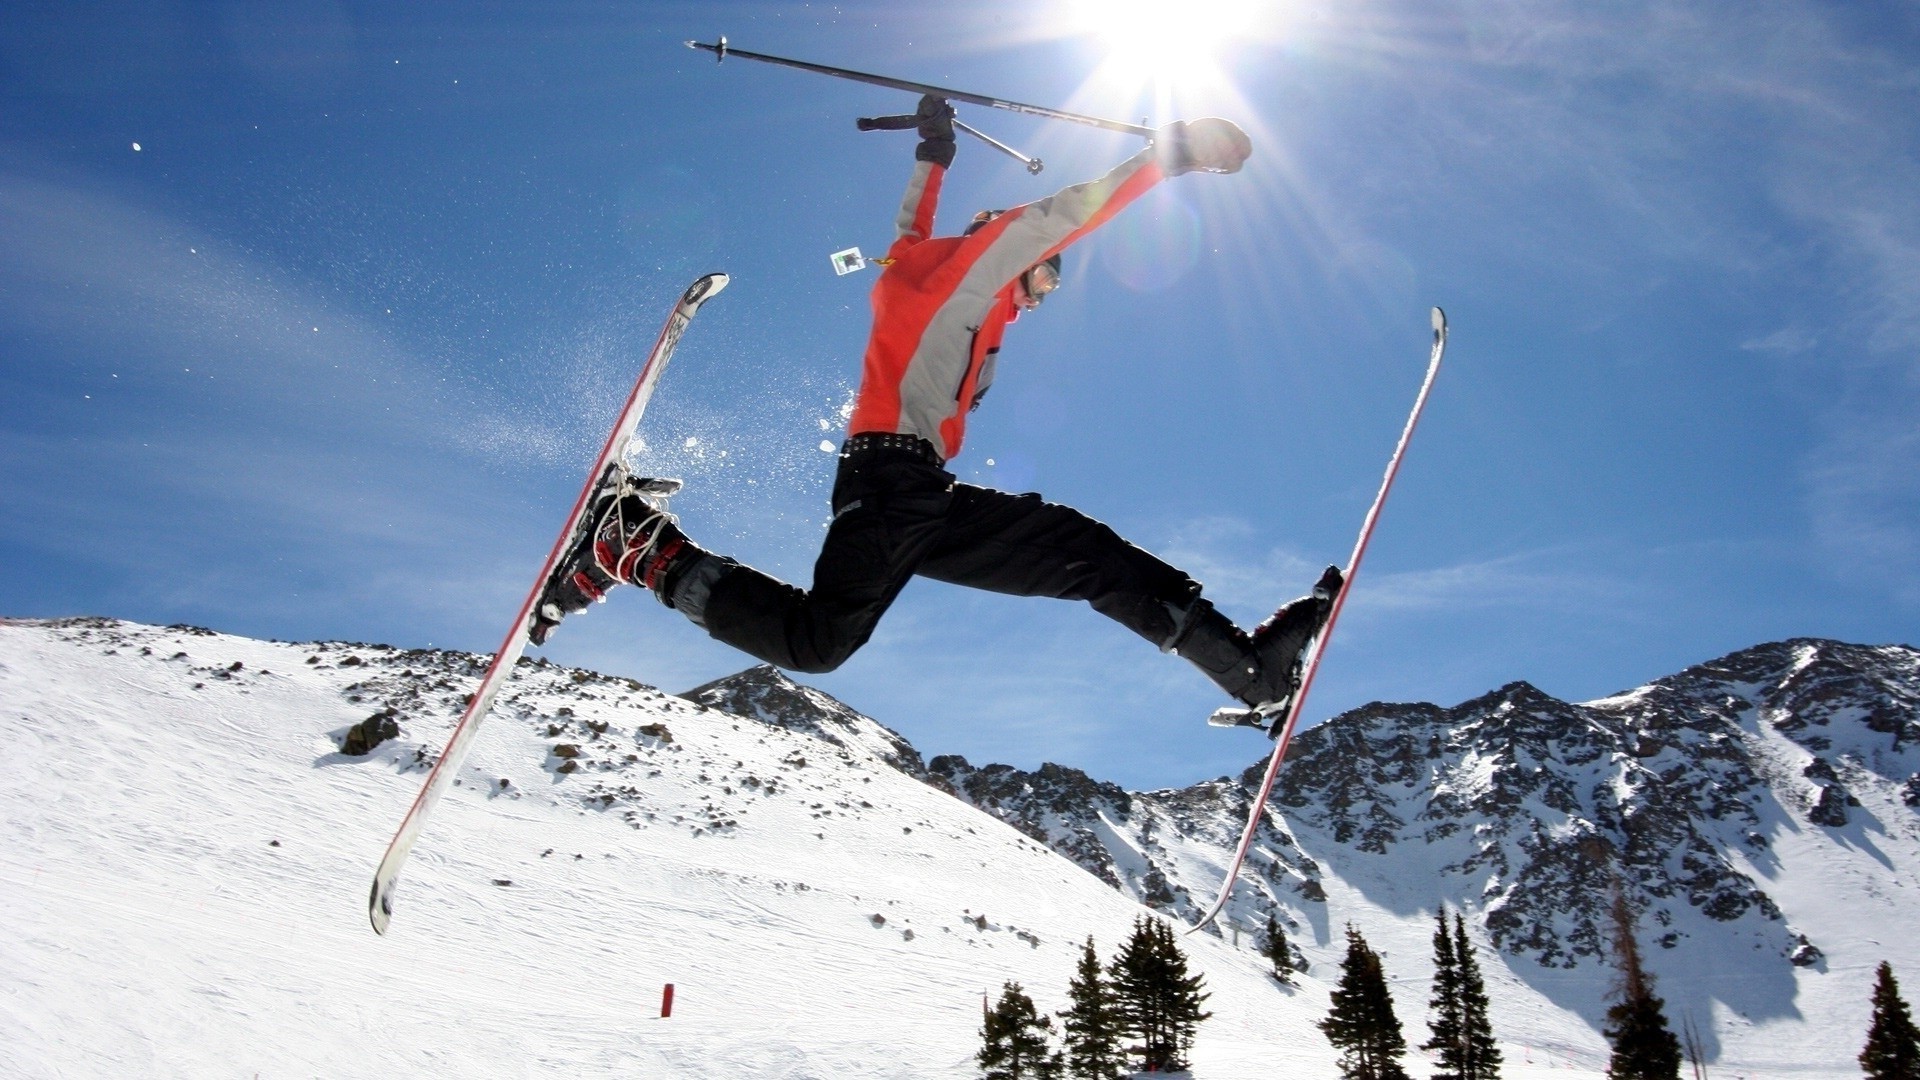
186	856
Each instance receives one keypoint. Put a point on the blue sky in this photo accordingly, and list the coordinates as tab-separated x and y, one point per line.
326	355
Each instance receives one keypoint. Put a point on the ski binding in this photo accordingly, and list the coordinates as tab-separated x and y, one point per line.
1259	718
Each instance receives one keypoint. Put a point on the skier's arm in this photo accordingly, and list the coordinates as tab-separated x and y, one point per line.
1027	234
931	160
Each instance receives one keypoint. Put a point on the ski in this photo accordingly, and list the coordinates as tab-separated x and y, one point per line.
1310	663
380	901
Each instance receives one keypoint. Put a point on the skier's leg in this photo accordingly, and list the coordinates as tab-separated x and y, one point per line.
1025	546
890	508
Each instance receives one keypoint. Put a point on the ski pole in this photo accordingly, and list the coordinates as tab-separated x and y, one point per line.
1033	164
722	50
901	123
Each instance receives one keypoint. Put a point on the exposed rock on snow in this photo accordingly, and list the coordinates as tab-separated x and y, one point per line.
361	739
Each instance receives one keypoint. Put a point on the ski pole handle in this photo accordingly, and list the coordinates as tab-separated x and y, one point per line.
886	123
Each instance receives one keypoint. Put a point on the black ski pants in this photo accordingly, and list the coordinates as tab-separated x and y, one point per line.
897	514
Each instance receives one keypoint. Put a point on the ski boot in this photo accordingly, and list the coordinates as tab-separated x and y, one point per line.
1276	657
626	537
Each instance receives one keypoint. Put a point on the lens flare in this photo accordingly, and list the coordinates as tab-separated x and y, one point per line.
1167	41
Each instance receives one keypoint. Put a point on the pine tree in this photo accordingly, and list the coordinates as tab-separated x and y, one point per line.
1362	1024
1644	1047
1480	1059
1092	1023
1014	1039
1448	1022
1893	1042
1157	1001
1275	948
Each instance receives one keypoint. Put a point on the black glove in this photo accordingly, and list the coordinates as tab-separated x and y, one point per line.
1209	144
936	118
936	131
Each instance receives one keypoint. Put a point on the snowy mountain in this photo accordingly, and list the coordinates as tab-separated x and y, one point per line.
768	696
1753	808
1762	811
187	849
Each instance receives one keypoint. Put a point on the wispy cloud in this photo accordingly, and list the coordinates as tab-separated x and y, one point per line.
265	435
149	290
1219	551
1768	150
1864	498
1546	580
1242	576
140	290
1847	169
1788	341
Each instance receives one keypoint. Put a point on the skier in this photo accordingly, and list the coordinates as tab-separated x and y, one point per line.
941	308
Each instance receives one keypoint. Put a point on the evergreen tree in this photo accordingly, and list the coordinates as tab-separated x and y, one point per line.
1275	948
1448	1022
1014	1039
1157	1001
1644	1047
1893	1043
1362	1024
1092	1023
1480	1057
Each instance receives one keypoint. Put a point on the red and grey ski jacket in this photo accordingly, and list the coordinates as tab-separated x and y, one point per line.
941	308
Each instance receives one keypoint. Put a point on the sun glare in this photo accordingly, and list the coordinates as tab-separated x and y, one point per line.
1166	40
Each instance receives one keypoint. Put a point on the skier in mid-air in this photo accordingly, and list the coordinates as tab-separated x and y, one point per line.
941	307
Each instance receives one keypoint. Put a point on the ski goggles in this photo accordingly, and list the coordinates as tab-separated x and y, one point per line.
1042	278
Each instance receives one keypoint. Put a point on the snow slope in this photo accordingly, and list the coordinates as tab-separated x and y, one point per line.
186	854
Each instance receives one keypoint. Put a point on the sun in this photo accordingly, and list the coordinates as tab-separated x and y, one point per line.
1167	41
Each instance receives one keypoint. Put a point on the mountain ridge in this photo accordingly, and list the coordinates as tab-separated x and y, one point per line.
1798	686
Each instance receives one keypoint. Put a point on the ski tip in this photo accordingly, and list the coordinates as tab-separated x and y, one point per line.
1439	323
380	909
704	289
1206	920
